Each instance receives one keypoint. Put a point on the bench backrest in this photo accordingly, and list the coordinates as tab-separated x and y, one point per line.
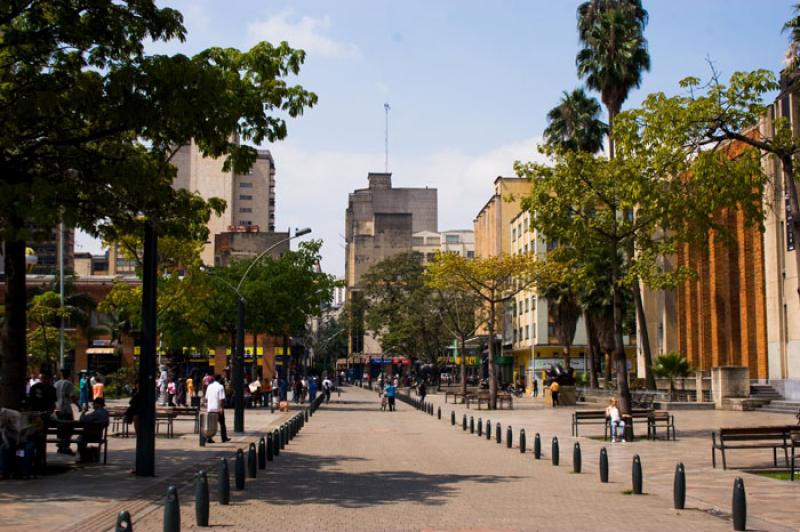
590	414
756	433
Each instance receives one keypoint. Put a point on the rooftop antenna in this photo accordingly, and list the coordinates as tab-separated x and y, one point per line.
386	138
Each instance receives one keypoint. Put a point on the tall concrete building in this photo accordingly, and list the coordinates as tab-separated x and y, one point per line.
379	223
250	197
492	237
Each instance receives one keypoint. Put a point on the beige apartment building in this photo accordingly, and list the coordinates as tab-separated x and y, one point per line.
250	197
781	245
428	243
491	235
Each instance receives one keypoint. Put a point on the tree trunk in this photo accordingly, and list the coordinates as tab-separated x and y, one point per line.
794	206
593	351
644	337
492	372
612	114
463	366
623	391
14	356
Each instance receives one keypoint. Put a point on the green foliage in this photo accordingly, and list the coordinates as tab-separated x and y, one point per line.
45	313
671	365
574	124
614	52
402	310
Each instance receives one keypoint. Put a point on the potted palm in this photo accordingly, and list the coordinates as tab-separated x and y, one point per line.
671	366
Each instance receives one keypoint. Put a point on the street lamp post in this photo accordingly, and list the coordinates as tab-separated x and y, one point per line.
238	358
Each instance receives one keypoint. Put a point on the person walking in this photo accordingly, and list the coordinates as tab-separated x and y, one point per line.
215	403
615	420
391	392
554	393
422	391
312	388
171	391
327	387
535	385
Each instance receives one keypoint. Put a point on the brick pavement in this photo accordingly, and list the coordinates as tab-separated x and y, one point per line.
89	497
357	468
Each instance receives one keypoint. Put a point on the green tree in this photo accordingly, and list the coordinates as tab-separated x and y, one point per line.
574	124
495	280
401	310
671	366
660	170
329	342
613	59
95	124
45	312
462	315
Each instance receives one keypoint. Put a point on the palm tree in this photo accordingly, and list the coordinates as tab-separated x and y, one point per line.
574	124
671	366
614	53
613	58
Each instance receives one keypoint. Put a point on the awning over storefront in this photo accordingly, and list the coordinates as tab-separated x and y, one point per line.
100	351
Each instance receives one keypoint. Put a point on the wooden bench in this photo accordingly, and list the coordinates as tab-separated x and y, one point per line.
92	433
502	398
598	417
660	419
464	396
164	417
777	437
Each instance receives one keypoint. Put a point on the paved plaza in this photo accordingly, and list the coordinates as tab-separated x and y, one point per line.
354	467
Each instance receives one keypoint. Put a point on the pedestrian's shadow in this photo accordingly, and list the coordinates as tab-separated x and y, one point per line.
310	479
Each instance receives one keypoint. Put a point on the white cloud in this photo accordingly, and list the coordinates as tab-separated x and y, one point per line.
312	187
307	33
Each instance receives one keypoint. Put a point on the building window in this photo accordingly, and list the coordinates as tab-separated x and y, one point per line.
417	241
513	234
245	184
470	254
430	256
245	197
527	329
245	209
526	304
515	335
452	239
245	222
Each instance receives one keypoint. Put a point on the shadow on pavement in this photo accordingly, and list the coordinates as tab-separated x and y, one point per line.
310	479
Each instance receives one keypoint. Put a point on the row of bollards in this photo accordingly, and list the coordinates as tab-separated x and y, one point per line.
739	502
258	454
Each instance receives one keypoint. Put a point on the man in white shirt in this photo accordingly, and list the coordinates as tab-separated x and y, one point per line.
215	402
66	396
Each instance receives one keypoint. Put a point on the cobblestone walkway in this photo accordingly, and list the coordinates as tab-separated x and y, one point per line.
355	467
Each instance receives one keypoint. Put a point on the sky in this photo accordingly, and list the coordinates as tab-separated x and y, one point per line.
469	84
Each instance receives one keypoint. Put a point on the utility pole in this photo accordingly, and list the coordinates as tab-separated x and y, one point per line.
145	434
386	137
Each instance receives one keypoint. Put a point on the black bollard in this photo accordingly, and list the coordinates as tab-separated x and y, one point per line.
238	470
498	433
537	446
305	416
276	442
636	475
480	427
262	453
522	441
464	423
577	461
223	483
452	418
603	465
554	451
124	523
439	412
270	446
739	505
679	488
283	436
488	429
509	437
252	461
471	425
172	511
201	499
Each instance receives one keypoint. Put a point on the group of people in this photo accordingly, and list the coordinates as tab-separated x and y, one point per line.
56	403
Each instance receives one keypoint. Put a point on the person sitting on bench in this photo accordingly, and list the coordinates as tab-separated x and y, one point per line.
98	416
615	420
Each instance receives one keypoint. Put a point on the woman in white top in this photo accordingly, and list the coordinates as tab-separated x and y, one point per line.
615	420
